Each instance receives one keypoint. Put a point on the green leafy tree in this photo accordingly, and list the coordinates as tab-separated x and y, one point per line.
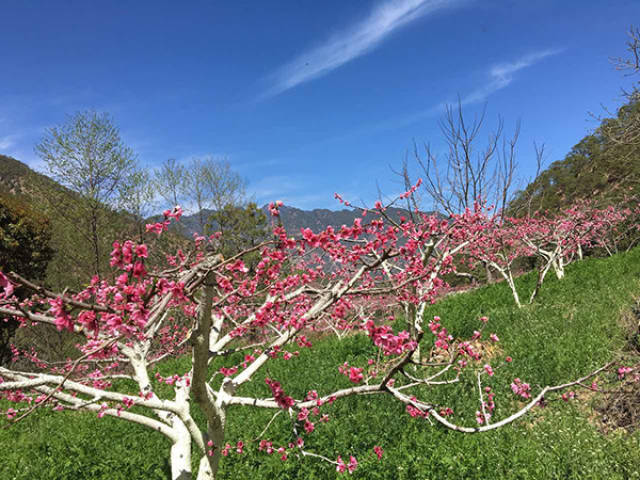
24	249
242	227
87	156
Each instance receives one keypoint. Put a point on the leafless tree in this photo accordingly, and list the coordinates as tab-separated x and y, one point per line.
469	172
169	181
624	128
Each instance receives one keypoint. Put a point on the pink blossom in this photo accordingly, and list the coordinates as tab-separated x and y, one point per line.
521	389
6	285
378	451
622	371
355	374
141	251
353	464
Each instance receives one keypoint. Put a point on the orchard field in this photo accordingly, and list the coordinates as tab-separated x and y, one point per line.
576	325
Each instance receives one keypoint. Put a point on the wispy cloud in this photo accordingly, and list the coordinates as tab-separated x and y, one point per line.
353	42
501	75
497	77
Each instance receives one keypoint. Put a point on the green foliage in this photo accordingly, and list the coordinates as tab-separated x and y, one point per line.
242	227
25	249
24	238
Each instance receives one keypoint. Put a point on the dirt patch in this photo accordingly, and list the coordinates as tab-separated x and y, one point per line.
619	406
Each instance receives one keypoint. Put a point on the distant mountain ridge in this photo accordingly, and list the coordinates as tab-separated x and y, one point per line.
14	174
294	219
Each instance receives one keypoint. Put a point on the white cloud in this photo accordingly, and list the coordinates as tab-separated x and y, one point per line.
499	76
502	74
353	42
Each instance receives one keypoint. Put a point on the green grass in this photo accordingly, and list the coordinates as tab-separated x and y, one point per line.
572	328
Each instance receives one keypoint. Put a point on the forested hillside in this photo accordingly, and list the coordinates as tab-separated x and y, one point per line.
604	166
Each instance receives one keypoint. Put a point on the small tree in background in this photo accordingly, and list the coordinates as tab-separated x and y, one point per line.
87	155
241	228
168	180
137	197
211	184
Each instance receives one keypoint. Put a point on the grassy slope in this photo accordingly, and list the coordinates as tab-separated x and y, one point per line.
570	330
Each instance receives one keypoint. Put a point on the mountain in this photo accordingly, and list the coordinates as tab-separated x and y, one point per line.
16	178
75	258
294	219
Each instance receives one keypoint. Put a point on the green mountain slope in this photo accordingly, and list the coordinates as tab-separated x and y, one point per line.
600	167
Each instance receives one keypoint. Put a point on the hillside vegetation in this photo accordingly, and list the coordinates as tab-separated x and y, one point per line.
602	166
573	327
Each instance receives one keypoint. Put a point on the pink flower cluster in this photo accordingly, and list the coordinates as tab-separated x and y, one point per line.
521	389
281	399
442	335
343	467
354	373
160	227
390	343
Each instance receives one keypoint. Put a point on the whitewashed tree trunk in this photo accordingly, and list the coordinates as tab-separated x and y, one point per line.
558	268
508	277
514	291
181	455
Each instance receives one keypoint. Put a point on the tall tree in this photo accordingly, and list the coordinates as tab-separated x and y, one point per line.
87	155
469	171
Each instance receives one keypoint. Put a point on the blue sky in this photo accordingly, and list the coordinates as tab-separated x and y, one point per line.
308	98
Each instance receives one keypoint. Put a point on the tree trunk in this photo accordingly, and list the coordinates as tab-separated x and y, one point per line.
414	327
96	242
489	273
181	456
558	268
209	465
512	286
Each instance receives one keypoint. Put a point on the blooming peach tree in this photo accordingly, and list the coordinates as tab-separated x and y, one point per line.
207	307
555	240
